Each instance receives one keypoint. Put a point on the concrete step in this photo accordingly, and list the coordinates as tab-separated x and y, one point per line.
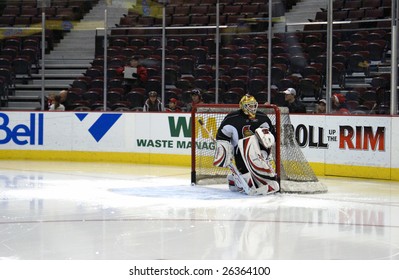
78	37
315	5
60	75
57	72
24	98
52	82
80	44
67	64
29	93
76	42
72	54
24	105
29	108
49	86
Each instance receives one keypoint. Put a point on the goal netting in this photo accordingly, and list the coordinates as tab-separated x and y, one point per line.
292	168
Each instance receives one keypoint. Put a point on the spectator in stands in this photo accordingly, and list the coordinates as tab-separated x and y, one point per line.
294	104
138	78
196	98
321	106
56	104
51	99
338	104
173	106
152	104
344	111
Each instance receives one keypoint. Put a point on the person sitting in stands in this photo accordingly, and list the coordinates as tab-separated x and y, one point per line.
173	106
51	99
152	104
338	104
294	104
56	104
321	106
196	97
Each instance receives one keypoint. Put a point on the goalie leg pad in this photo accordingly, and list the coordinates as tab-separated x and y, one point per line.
269	186
262	173
266	186
255	161
223	153
235	184
232	184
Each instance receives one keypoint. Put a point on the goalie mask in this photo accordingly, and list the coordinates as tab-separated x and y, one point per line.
249	105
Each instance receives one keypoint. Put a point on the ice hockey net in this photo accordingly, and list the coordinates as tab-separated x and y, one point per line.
293	170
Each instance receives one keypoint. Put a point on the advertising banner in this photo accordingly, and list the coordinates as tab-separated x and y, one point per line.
332	143
362	140
162	133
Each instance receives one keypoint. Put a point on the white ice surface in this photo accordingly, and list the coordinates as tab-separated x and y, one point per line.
111	211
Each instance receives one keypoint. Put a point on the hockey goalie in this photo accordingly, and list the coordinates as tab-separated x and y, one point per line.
246	137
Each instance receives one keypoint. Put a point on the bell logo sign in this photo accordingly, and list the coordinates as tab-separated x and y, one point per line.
102	125
22	134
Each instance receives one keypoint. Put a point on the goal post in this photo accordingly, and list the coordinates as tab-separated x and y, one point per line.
293	171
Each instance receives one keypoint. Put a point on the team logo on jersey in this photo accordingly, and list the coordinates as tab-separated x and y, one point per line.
246	131
101	126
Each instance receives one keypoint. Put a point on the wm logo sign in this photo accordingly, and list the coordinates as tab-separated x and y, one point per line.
101	126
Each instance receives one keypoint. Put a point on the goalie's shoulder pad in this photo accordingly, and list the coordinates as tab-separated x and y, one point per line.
265	137
223	153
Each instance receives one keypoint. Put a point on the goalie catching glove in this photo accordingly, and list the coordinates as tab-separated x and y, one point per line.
265	137
223	153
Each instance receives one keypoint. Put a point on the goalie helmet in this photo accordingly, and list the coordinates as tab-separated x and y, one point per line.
249	105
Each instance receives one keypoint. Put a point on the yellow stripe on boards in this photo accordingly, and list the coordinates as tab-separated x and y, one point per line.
158	159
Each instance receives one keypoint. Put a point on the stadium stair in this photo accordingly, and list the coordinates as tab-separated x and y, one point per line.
68	60
301	12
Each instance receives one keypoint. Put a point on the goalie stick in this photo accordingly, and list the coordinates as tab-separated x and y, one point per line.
232	167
